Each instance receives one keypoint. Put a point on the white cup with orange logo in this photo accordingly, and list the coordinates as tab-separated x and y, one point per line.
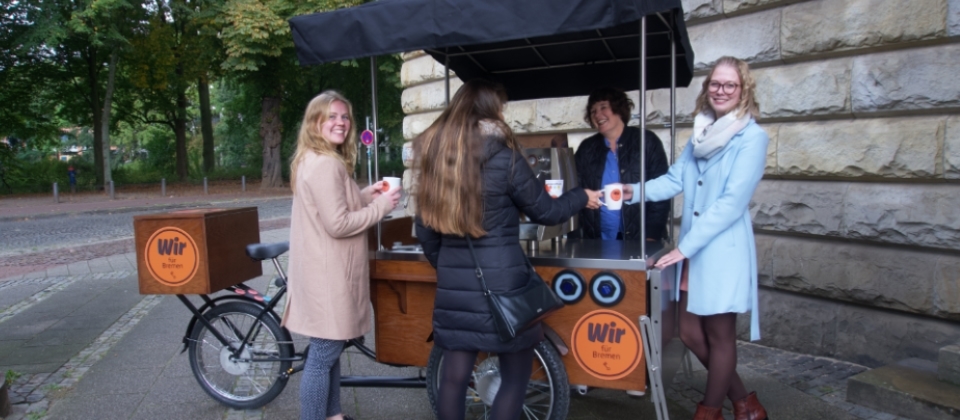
390	183
554	187
613	196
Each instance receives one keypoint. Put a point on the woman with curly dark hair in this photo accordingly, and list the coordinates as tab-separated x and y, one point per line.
613	156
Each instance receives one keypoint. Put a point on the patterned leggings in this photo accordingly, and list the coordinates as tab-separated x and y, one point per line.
320	384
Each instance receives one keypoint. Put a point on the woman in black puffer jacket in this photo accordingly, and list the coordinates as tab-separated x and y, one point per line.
474	181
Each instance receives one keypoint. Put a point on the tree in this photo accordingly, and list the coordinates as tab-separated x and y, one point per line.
260	50
71	43
171	52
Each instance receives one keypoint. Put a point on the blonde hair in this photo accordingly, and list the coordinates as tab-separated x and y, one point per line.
449	159
748	88
311	140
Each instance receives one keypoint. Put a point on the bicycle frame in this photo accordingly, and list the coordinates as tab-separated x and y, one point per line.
242	292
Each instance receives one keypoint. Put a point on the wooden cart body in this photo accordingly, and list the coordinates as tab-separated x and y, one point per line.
195	251
403	287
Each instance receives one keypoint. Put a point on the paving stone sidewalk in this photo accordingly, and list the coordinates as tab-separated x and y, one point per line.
91	347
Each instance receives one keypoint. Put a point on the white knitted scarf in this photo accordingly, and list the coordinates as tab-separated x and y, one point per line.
711	134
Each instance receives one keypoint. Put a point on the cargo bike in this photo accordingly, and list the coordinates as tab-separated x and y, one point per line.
617	328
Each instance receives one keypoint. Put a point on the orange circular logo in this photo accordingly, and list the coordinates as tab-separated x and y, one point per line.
172	256
547	187
385	187
606	344
615	195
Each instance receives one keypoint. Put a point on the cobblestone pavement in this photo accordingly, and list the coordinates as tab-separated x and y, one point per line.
820	377
28	235
52	389
33	393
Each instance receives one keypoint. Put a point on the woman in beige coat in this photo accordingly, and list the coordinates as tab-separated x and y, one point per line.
329	298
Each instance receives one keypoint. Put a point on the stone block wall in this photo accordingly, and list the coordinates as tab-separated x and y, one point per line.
858	216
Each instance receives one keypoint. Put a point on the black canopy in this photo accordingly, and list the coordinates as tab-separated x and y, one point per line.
536	48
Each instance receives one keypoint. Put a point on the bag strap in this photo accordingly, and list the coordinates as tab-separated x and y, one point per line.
477	271
526	258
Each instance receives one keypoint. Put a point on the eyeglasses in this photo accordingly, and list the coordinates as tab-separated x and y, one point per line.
728	88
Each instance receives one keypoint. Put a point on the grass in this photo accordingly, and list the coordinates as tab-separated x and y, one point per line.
11	376
36	415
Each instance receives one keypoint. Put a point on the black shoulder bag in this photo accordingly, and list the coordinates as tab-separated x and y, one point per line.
516	310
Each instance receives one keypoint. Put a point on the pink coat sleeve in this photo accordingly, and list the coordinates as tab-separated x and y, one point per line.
326	185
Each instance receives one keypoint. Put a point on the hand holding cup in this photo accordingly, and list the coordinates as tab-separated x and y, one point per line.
392	196
593	199
627	192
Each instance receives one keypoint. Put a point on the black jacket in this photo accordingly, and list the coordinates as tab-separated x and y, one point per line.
461	317
591	157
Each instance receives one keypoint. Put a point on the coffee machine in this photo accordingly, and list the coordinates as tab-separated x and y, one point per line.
547	163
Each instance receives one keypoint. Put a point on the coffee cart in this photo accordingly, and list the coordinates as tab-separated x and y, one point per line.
617	327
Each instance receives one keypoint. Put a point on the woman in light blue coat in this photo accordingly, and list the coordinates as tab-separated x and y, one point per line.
717	173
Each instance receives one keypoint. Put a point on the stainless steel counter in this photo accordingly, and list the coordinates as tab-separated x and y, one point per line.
572	253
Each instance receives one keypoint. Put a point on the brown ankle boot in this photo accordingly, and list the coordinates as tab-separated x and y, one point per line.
708	413
749	408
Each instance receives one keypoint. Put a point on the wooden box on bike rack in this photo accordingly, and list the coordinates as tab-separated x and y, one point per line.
198	251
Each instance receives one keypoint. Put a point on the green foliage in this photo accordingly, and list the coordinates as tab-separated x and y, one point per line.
37	415
11	376
32	175
161	149
393	167
28	108
253	30
48	49
238	132
138	173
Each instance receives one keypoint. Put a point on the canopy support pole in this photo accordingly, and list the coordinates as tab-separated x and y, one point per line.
376	143
673	117
643	137
376	132
446	77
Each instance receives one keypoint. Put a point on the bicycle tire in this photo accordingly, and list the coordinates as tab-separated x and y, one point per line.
240	384
548	393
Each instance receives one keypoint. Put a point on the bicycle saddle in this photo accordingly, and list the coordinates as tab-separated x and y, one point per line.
262	252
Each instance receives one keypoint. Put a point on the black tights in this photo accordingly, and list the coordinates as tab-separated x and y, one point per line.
456	370
713	339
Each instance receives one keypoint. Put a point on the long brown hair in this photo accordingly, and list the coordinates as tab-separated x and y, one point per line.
310	140
748	88
449	156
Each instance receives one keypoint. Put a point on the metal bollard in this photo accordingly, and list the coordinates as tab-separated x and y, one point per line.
111	190
204	185
56	193
243	183
163	187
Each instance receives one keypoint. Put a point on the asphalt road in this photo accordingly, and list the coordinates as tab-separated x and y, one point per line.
29	235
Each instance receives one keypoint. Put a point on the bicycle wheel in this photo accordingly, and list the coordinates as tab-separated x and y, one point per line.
253	379
548	393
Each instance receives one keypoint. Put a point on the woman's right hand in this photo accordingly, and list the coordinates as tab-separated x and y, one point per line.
393	197
627	192
593	199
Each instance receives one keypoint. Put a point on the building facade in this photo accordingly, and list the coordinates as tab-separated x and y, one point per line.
858	217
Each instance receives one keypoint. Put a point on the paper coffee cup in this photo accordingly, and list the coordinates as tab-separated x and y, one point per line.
613	196
554	187
390	183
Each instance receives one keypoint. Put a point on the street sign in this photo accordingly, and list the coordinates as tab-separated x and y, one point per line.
366	137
